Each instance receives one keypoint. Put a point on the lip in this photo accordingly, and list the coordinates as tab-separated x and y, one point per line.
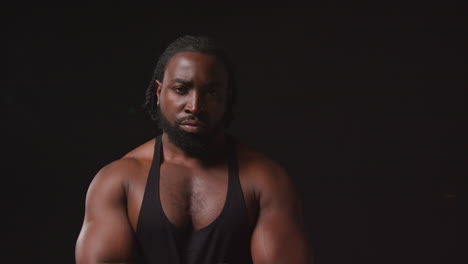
192	126
193	123
192	129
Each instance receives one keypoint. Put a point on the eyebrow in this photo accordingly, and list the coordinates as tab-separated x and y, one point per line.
182	81
189	83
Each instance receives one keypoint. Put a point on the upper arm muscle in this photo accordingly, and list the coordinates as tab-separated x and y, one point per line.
106	235
278	236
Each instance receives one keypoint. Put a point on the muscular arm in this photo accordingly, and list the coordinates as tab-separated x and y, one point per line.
106	235
278	235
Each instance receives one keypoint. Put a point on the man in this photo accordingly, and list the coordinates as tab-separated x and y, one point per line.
193	194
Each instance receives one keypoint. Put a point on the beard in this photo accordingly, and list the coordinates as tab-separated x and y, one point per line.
194	144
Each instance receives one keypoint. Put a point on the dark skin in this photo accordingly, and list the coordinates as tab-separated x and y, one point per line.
192	189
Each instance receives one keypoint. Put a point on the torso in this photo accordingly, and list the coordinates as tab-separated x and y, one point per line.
190	197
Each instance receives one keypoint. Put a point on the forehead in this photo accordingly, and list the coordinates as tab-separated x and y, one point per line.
192	65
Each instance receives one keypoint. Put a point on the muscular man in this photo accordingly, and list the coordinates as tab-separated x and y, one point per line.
193	194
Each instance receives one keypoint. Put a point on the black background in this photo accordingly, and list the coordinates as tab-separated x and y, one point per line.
363	105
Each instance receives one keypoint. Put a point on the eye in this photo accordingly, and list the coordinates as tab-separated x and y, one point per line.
180	89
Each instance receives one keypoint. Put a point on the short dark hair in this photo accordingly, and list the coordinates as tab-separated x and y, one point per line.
198	44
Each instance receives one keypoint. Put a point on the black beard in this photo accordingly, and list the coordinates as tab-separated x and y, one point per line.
194	144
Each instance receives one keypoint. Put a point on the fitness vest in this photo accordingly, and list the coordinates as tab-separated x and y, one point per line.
224	241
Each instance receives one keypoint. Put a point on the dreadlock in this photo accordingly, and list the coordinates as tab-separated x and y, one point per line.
198	44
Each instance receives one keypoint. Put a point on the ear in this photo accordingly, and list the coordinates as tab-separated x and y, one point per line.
158	88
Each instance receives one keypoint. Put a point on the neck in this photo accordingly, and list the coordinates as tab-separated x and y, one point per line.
214	153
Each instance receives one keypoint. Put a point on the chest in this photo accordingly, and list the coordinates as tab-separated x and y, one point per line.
192	198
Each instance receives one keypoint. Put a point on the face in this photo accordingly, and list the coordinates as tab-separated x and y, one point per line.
193	96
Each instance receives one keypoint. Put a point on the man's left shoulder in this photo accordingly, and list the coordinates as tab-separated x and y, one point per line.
258	167
269	180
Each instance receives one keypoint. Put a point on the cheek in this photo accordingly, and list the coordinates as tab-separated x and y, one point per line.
171	103
167	109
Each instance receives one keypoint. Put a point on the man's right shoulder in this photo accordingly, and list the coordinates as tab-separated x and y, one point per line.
120	168
134	164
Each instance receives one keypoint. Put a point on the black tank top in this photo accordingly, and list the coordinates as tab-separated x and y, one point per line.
226	240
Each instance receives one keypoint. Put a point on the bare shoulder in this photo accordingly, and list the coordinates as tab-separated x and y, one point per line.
132	164
262	172
278	235
106	211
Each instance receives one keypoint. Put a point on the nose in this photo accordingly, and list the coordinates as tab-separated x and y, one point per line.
194	104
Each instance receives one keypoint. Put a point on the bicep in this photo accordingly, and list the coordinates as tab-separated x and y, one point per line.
278	235
106	235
